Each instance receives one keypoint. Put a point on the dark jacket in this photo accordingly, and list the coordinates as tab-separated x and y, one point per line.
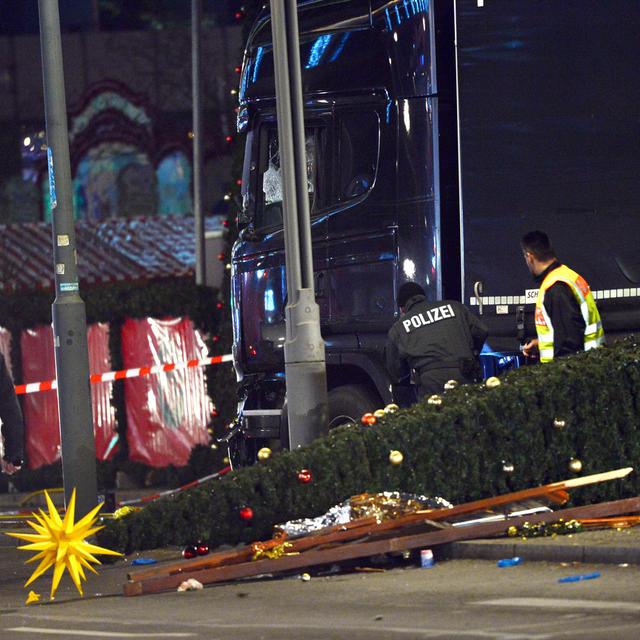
440	341
564	312
11	416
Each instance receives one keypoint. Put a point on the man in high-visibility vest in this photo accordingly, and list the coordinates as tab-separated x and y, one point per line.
566	317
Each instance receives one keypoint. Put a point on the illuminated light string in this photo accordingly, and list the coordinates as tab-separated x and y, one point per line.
110	376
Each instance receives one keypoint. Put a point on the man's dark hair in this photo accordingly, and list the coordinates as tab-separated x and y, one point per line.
538	244
407	291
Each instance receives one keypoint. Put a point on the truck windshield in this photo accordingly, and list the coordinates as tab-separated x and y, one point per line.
269	209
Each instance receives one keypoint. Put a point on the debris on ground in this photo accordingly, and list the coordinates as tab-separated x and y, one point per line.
375	534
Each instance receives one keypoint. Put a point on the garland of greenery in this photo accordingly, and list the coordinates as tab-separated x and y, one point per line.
480	441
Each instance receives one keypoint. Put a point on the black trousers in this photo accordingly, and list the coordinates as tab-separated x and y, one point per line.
432	381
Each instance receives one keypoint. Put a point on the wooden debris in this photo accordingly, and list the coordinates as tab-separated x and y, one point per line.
621	522
367	537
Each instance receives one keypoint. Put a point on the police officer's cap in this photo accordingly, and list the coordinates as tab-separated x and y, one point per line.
407	291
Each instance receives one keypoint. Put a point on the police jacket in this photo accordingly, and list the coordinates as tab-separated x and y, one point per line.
11	416
432	335
563	309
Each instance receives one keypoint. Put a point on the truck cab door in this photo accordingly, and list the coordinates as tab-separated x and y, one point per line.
361	234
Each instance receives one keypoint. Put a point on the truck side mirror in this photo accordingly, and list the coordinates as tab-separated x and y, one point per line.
245	214
244	211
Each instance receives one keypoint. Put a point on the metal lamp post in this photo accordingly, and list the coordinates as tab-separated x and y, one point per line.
68	310
305	371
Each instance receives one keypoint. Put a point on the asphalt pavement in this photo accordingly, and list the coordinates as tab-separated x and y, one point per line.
453	599
465	595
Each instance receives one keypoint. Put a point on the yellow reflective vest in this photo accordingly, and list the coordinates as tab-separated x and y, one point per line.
593	332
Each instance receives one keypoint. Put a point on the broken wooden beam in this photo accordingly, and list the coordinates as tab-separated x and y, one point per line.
354	550
554	492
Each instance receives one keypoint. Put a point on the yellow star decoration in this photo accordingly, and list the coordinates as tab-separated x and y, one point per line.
32	597
60	544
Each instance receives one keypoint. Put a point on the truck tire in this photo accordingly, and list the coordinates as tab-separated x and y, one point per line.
349	402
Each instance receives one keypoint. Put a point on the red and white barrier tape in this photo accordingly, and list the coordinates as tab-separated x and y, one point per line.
169	492
35	387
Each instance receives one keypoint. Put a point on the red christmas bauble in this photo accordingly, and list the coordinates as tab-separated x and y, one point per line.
304	476
368	419
202	549
246	513
189	552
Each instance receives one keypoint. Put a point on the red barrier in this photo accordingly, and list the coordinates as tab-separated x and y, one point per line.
42	433
42	430
167	415
104	416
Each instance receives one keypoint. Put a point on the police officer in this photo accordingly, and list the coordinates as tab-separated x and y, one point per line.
567	319
12	425
438	341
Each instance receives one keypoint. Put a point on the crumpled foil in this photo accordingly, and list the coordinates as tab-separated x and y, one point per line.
383	506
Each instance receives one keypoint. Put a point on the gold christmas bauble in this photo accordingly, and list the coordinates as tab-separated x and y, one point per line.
559	424
435	400
379	413
391	408
450	384
575	465
493	382
507	467
264	454
396	457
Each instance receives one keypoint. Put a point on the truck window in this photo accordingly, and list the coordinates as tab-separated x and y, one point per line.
358	153
269	209
328	16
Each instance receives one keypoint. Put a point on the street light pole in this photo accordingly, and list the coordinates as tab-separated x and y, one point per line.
304	356
198	145
68	310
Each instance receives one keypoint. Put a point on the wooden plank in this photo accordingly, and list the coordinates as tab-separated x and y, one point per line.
334	533
487	504
620	522
555	492
343	552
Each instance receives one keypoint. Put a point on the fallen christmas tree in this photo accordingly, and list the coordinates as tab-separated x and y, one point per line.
383	523
578	413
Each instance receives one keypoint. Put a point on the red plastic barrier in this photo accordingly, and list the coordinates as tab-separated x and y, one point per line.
42	437
167	414
42	433
104	416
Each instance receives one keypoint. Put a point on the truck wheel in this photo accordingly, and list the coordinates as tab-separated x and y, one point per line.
349	402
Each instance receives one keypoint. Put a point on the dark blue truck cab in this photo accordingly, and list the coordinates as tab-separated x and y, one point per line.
437	133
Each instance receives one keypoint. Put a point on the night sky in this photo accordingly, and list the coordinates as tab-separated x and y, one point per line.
21	16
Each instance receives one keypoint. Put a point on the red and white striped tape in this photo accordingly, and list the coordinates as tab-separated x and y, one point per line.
109	376
169	492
